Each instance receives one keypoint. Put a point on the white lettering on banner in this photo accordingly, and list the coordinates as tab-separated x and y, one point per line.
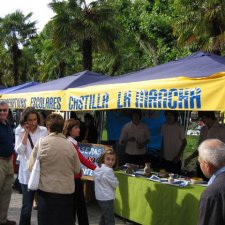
17	103
50	103
92	152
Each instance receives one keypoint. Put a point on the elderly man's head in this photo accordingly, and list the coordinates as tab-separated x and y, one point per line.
4	111
211	156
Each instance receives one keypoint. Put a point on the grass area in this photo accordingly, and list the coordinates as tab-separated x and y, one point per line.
104	135
192	145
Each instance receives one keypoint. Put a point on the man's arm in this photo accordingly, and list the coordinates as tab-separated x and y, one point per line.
182	147
192	156
210	211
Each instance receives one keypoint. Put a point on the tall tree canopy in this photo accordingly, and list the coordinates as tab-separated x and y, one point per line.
200	24
90	26
16	32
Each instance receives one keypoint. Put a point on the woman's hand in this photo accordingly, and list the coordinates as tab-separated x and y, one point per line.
26	128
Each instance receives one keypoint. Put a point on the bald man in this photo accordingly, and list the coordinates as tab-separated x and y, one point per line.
212	163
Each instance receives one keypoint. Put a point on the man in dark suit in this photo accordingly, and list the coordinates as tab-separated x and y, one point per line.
212	163
6	164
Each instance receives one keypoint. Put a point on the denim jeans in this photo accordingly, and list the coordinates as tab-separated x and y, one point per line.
28	198
107	210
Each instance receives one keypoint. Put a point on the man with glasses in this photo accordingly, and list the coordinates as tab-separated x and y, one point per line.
212	163
6	164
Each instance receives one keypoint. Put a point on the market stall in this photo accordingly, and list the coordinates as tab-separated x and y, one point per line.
49	95
18	87
185	84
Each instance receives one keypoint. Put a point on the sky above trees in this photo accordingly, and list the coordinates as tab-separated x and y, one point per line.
40	9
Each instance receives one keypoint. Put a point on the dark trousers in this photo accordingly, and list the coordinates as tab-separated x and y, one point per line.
172	167
28	198
136	159
55	209
80	208
107	210
155	162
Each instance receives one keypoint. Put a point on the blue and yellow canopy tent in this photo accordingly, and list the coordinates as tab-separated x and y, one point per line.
2	87
49	95
195	82
17	88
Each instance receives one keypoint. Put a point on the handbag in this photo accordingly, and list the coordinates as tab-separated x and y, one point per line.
34	180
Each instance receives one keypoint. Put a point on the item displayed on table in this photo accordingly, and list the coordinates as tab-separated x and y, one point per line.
130	168
163	174
171	179
196	180
147	170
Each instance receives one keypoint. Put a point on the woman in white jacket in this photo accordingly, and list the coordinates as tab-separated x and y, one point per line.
27	134
105	185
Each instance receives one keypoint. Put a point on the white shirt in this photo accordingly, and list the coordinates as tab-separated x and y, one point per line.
24	151
140	132
72	140
105	183
173	136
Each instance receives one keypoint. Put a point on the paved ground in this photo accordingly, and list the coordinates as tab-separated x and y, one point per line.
15	207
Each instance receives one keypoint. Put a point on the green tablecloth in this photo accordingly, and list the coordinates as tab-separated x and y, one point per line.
151	203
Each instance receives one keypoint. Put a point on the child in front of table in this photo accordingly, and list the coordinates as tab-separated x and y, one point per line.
105	185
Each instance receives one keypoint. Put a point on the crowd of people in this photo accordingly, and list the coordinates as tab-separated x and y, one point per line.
60	193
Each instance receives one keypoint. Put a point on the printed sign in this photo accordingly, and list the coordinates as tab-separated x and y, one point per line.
92	152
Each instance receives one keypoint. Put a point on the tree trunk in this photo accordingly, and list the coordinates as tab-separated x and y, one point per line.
87	54
24	73
62	66
1	75
15	56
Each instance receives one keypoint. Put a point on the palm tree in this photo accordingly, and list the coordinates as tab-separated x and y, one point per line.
90	26
16	31
201	23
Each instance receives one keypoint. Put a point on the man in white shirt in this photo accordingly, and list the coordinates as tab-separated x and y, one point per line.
136	136
173	142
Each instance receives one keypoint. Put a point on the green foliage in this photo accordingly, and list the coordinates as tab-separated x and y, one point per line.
16	33
200	24
109	36
91	27
54	62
